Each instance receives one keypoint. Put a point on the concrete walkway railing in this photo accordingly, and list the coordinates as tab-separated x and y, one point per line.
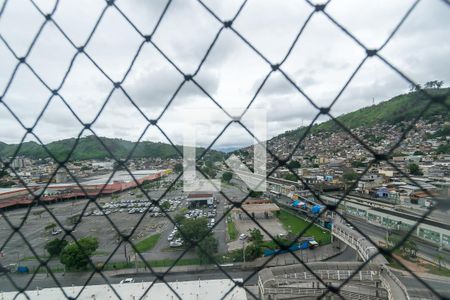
354	239
396	289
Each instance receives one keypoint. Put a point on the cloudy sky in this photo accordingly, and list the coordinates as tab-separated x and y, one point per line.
320	63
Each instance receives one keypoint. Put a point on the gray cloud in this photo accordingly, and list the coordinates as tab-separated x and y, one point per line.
320	63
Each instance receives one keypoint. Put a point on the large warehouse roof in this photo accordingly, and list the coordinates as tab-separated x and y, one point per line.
204	289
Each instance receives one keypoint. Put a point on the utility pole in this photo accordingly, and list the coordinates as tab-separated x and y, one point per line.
243	250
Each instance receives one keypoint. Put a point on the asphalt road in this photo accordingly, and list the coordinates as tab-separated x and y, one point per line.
347	255
377	233
414	286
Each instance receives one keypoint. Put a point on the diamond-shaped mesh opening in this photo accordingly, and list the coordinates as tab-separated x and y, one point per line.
145	217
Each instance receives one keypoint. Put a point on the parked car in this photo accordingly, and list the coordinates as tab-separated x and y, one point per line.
56	231
313	244
23	269
243	236
127	280
176	243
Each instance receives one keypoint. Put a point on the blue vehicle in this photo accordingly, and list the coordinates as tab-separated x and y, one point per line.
23	269
306	244
316	209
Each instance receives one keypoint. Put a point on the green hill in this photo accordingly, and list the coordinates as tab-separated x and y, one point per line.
400	108
91	148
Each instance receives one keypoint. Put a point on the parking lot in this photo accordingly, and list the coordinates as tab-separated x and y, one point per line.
40	227
125	211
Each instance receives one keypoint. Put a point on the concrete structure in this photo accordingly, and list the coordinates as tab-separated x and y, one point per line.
297	282
200	199
258	209
432	230
365	249
61	176
94	186
189	290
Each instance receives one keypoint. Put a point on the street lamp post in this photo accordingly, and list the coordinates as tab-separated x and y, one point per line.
243	249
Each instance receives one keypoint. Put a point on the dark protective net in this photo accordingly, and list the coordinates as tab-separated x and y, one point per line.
275	67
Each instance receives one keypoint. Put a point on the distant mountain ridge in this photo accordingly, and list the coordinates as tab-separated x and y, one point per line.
90	148
400	108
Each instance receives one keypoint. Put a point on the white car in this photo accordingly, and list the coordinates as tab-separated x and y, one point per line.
127	280
176	243
243	236
56	231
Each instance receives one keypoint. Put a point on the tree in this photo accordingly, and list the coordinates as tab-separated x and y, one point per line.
178	168
76	256
50	227
434	84
179	218
415	88
293	164
443	149
3	173
290	176
195	230
394	240
210	172
54	247
209	164
349	176
208	247
192	230
244	153
414	169
256	236
418	152
227	176
358	164
411	248
429	84
439	258
255	194
252	252
7	184
165	205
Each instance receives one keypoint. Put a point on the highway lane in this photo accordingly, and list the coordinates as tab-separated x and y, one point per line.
441	286
377	233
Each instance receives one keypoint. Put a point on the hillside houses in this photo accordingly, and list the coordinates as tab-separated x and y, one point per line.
328	157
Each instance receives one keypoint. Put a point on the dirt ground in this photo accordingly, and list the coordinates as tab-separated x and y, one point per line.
271	225
416	267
